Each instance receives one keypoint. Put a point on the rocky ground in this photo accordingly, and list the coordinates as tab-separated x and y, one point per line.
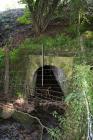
25	128
11	130
9	26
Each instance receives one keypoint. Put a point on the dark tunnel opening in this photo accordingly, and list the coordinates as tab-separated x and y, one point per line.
51	87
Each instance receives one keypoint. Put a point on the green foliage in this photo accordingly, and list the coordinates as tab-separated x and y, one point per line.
72	30
78	7
57	132
87	26
19	95
88	35
73	126
26	18
17	54
48	42
75	122
58	43
62	40
89	43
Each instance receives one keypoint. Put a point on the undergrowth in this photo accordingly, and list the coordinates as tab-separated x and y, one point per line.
74	125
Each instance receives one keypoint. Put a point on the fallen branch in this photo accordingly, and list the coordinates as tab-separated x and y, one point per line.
32	117
19	115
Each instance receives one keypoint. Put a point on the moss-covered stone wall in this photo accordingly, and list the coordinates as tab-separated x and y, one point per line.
35	62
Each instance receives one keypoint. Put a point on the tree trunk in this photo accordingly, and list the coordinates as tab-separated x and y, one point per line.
35	25
42	13
6	82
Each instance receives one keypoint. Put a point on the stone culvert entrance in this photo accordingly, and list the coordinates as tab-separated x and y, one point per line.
53	82
59	67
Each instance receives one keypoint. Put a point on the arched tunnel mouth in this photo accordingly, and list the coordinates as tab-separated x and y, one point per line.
51	88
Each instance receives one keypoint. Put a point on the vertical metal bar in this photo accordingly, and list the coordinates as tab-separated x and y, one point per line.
42	65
